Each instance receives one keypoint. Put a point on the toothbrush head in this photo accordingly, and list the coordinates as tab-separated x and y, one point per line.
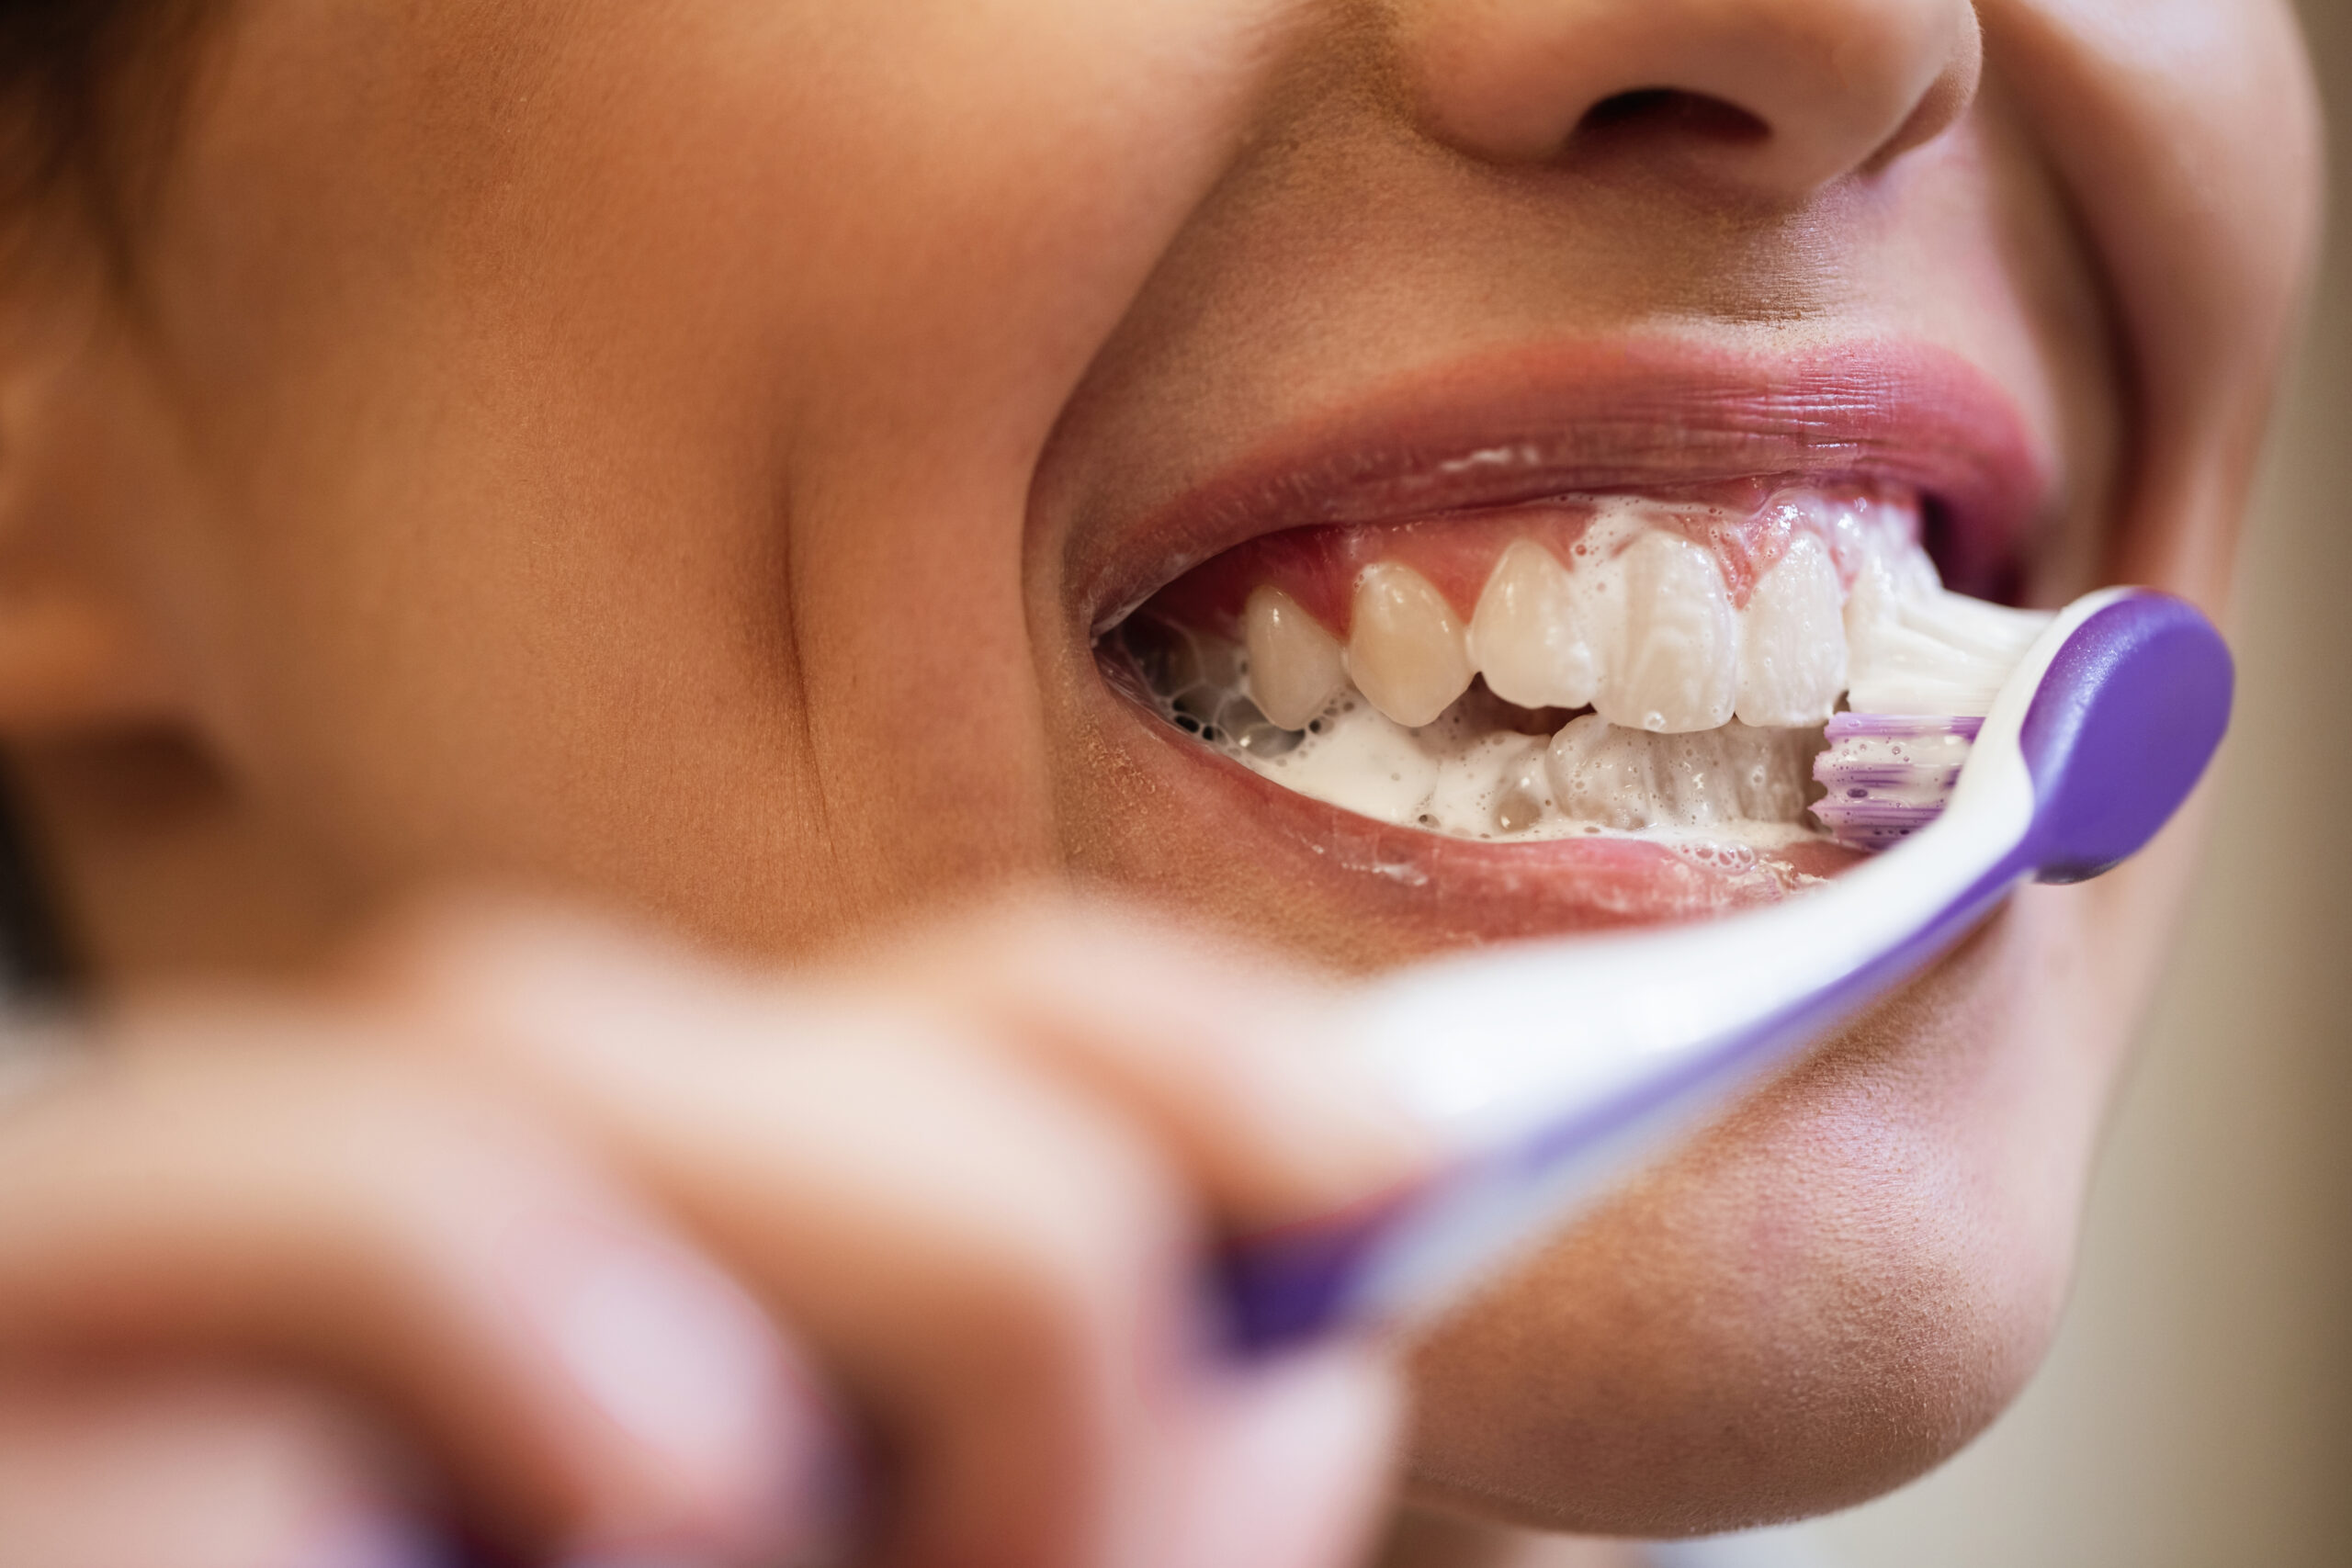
2123	720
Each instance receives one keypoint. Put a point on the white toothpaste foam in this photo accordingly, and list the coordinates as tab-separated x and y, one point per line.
1463	777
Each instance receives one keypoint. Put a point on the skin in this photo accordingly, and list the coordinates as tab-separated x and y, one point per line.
531	446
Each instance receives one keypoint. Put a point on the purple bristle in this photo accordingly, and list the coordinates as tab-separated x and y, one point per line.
1888	775
1900	726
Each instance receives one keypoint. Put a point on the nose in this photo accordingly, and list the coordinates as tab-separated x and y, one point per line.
1779	96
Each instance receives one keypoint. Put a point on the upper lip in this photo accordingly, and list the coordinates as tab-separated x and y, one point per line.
1580	417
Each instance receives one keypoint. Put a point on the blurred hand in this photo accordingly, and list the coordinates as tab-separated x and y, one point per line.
191	1471
652	1259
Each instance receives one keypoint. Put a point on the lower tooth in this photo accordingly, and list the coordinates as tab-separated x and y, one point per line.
1601	774
1524	797
1793	650
1772	769
1406	651
1488	781
1677	669
1629	779
1295	664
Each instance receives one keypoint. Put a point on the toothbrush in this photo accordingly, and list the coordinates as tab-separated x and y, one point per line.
1551	1066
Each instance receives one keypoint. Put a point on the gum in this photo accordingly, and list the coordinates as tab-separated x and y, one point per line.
1747	529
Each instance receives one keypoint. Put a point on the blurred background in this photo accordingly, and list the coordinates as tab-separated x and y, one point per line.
2197	1412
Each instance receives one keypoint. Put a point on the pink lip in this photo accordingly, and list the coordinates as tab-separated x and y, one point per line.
1529	423
1516	428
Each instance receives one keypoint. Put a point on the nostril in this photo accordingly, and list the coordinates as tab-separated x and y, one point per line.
1651	110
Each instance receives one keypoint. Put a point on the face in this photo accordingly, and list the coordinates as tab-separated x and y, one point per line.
769	465
695	455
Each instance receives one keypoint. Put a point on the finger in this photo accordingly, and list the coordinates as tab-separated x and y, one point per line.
1223	1059
995	1274
1229	1058
599	1384
192	1471
1004	1272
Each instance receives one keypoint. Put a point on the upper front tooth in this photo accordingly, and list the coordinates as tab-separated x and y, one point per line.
1406	650
1677	668
1793	653
1295	664
1527	638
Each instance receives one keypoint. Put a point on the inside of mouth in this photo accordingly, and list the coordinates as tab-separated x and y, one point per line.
1662	667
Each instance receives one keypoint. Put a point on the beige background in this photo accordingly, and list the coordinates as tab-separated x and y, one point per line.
2197	1410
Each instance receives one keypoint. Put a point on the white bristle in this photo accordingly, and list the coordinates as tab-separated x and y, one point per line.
1931	651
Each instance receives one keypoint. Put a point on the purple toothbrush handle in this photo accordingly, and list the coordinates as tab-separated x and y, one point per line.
1281	1287
2122	727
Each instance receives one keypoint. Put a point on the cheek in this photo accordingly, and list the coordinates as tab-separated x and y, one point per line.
603	423
988	230
2047	261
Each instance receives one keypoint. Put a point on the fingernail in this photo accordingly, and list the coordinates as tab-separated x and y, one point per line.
680	1358
1296	1467
668	1350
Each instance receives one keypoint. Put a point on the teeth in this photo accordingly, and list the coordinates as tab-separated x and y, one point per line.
1793	652
1407	651
1524	796
1629	780
1296	667
1704	717
1529	636
1677	668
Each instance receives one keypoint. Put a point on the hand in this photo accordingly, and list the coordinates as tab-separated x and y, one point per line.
553	1199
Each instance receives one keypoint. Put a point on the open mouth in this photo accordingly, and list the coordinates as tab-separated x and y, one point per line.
1483	673
1594	664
